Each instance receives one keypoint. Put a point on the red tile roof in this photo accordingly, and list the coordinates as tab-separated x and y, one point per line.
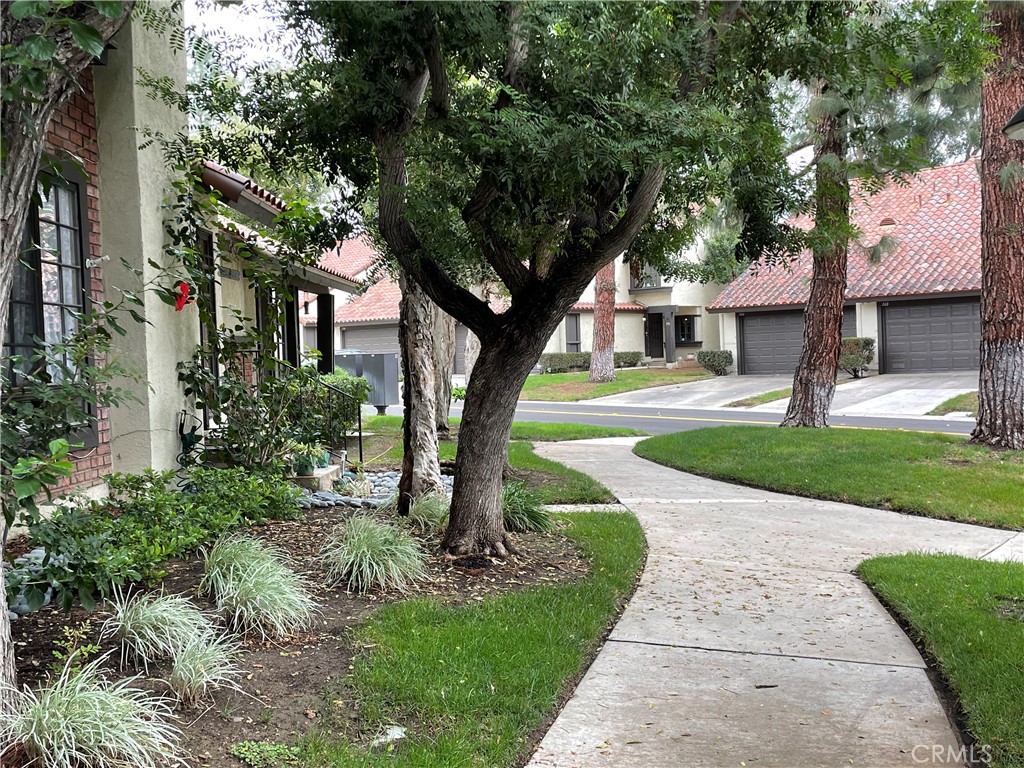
623	306
350	258
936	223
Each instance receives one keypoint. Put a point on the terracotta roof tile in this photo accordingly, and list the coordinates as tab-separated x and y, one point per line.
380	302
350	258
623	306
937	229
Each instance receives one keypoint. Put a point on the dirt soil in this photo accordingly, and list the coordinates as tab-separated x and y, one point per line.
282	690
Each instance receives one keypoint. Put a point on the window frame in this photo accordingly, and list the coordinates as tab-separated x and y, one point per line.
573	317
681	339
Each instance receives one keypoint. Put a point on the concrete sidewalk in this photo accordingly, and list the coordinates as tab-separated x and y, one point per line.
749	641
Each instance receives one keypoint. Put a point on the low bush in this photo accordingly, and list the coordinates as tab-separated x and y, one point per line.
80	719
564	362
369	554
855	353
523	510
95	546
429	511
716	361
202	664
252	584
153	627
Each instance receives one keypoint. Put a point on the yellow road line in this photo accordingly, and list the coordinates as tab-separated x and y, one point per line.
724	421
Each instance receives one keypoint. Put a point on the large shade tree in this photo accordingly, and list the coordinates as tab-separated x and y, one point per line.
881	84
1001	389
568	124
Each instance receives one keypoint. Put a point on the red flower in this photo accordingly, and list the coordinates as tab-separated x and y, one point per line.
182	298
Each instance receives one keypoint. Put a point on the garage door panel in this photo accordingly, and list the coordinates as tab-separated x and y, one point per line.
379	338
771	342
935	336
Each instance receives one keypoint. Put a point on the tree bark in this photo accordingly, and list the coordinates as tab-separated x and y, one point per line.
8	672
444	364
602	356
476	525
1001	380
814	382
421	471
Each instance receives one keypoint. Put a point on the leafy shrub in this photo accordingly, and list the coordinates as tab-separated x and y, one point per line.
96	546
203	663
564	362
81	719
716	361
855	353
523	510
628	359
429	511
458	393
264	754
252	584
368	553
152	627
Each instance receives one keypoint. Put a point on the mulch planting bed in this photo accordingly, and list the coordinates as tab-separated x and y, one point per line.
284	682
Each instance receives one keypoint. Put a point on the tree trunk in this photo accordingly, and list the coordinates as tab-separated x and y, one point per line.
476	525
602	358
421	472
1001	381
472	340
444	363
814	382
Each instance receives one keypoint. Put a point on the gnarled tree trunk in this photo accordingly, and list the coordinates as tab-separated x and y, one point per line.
602	356
1001	381
444	364
476	525
421	472
814	383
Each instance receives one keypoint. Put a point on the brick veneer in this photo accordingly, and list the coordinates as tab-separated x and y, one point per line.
73	130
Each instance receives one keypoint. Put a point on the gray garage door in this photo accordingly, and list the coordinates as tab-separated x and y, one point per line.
771	341
461	332
372	338
931	336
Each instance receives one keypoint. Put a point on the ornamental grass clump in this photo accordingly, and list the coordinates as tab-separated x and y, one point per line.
251	583
523	511
369	554
154	627
80	719
202	664
429	512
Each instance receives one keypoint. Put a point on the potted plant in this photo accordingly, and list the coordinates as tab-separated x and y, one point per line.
306	456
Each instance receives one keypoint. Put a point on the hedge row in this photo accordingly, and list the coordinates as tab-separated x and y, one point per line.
563	362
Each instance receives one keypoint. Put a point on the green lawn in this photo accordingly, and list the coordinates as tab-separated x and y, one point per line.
570	387
965	402
553	482
969	617
471	682
920	473
764	397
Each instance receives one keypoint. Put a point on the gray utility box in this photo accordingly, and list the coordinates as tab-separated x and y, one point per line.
380	369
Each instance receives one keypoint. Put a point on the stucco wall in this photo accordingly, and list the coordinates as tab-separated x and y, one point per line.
629	333
867	325
727	337
132	186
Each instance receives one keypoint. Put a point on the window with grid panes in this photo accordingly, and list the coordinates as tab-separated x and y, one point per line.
49	291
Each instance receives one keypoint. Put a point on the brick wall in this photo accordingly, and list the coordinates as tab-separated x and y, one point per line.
74	130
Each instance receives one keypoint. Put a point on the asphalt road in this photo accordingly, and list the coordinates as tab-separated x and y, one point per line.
660	420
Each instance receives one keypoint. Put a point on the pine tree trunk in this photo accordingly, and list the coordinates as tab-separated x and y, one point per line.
421	472
1001	380
814	382
444	363
602	356
476	525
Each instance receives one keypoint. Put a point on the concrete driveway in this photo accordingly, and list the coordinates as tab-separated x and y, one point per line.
889	395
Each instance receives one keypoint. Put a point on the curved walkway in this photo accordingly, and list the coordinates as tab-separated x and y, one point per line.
750	642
